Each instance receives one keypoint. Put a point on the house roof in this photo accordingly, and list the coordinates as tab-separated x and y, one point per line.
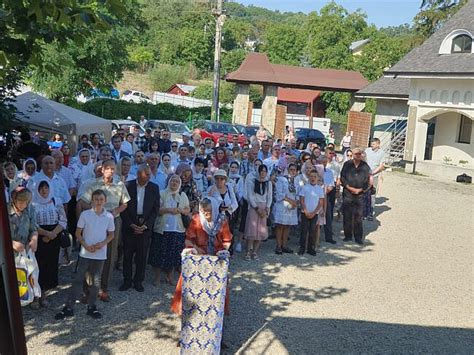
298	95
185	88
257	69
388	87
425	60
357	44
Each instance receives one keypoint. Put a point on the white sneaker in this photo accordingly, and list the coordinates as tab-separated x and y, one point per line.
238	247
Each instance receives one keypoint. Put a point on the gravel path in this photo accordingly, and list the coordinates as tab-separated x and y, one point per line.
408	289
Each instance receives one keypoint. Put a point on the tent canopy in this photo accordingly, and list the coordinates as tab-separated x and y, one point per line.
49	116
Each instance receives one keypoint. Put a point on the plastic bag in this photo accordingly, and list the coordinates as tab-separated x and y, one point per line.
27	273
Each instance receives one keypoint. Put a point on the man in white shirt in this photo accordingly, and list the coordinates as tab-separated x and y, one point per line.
273	160
330	186
374	157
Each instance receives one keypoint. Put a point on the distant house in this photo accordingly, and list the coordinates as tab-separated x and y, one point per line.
301	102
357	47
181	89
436	81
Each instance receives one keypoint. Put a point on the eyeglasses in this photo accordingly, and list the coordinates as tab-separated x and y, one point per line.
174	146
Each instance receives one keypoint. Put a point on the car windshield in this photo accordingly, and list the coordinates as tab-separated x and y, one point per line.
251	131
177	127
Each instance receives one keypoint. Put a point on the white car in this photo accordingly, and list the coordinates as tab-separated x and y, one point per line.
135	96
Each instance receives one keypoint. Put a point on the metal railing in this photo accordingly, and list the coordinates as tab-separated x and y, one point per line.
393	139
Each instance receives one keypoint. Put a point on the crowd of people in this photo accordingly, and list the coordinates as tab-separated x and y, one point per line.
142	199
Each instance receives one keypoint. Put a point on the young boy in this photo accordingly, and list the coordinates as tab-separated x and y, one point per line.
199	177
311	198
95	229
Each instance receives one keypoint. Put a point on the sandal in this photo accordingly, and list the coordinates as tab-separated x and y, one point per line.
248	256
255	257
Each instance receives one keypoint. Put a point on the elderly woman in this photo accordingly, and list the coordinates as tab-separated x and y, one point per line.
168	233
188	185
10	178
259	193
123	169
29	169
207	234
51	220
23	227
83	168
223	193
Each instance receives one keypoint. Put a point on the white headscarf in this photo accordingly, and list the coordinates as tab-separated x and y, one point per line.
210	226
37	198
83	172
23	175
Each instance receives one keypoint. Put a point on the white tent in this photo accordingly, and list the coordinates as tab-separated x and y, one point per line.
50	117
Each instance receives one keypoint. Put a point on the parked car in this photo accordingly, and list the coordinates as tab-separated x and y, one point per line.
250	131
306	135
214	130
125	124
176	128
135	96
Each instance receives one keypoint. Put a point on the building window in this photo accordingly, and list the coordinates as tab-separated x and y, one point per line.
465	129
461	44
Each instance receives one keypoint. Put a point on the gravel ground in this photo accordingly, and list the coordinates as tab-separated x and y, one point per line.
408	289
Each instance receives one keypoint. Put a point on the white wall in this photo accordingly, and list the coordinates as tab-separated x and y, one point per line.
445	140
387	112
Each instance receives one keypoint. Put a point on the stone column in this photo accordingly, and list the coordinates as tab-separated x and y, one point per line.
415	141
241	104
269	107
410	135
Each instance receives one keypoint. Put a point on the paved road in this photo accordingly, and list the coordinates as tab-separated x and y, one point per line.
408	289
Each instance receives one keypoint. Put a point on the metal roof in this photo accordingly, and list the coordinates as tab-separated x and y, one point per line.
257	69
298	95
388	87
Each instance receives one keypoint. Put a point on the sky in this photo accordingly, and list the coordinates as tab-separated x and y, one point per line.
382	13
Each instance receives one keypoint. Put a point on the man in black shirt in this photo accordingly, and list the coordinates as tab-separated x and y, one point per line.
355	178
164	144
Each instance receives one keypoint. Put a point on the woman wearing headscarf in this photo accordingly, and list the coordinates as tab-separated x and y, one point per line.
285	212
51	220
10	178
166	166
208	234
29	169
168	233
259	193
123	169
188	185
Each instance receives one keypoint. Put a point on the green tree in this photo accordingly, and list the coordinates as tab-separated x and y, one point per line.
433	14
231	60
283	43
68	70
26	26
141	57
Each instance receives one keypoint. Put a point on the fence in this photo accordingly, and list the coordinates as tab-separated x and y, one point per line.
320	123
180	100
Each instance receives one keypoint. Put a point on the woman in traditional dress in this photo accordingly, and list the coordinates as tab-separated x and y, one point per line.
168	233
219	159
51	220
188	185
259	193
208	234
285	212
224	193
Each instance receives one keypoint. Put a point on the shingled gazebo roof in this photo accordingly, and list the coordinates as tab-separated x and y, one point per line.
257	69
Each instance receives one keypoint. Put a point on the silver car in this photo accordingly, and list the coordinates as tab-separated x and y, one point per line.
176	128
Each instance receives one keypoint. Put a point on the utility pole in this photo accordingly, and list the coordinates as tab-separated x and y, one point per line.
219	14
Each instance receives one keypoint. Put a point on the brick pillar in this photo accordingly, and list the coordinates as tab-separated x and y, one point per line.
269	107
280	121
241	104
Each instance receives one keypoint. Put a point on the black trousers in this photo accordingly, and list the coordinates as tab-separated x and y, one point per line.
244	208
47	256
135	248
308	232
352	208
331	200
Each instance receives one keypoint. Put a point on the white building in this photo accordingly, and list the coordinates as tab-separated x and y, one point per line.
439	76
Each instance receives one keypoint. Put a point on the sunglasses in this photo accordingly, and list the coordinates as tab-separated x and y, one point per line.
174	146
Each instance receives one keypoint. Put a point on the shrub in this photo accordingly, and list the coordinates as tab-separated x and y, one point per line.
119	109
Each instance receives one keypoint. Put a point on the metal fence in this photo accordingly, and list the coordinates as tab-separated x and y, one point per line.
180	100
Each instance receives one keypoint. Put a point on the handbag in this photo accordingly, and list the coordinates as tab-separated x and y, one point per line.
64	240
27	273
